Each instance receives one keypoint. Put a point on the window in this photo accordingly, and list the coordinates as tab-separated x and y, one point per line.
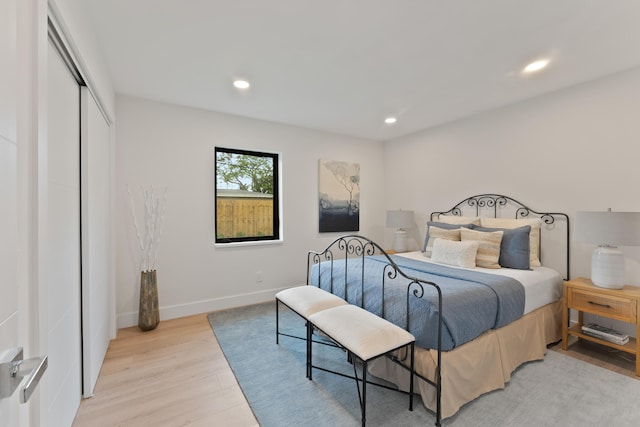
247	199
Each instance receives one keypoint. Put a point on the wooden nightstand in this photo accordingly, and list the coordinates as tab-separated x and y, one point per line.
619	304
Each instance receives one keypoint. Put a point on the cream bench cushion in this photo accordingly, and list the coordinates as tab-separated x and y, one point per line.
361	332
307	300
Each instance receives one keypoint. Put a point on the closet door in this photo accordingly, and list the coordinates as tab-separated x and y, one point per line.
60	281
97	304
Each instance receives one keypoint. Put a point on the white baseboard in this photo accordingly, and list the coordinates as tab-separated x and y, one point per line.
172	312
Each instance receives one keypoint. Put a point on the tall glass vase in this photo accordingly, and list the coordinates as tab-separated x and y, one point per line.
148	313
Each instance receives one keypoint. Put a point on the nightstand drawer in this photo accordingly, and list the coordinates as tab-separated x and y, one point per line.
615	307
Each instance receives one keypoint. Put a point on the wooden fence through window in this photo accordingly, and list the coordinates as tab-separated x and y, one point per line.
244	217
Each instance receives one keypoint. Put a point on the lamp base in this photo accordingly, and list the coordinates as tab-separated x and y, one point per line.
607	267
400	241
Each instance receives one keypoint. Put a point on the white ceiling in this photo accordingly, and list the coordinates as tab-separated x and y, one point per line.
342	66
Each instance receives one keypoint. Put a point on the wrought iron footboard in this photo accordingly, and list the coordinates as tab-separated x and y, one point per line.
348	248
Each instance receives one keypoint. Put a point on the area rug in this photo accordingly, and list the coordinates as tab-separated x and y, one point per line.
559	390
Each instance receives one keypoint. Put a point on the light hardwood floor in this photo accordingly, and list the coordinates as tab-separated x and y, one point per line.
177	375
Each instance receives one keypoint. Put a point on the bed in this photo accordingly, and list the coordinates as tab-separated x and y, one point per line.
474	324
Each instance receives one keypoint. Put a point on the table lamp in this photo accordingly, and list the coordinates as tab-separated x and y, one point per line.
400	220
608	230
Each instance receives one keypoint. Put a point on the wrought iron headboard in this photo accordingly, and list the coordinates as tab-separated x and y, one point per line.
495	204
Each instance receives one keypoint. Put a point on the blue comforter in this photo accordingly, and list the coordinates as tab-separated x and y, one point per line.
472	302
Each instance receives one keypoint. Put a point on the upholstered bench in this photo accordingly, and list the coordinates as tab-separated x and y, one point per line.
305	300
361	334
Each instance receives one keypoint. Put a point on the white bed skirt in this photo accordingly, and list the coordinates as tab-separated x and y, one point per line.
481	365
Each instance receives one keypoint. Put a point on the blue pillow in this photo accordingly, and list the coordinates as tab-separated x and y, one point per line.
514	249
444	225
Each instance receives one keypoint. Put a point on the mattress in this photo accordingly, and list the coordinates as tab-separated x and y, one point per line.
542	285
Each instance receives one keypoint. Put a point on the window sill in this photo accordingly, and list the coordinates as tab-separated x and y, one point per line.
252	243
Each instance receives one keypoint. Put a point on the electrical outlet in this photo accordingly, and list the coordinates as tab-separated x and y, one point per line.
258	276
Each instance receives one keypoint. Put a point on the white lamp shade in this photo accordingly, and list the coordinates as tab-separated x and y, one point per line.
400	219
608	228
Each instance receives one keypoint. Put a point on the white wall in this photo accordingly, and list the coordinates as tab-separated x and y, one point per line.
172	146
577	149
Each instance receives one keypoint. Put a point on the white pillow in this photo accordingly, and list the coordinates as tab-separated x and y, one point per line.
488	246
437	232
534	235
461	254
452	219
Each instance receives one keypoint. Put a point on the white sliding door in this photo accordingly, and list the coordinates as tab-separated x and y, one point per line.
60	278
96	257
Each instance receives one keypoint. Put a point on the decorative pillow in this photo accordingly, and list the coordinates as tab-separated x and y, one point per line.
453	219
488	246
442	233
514	249
461	254
444	225
534	236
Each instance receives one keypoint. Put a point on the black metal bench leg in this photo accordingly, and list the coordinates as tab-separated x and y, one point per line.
438	396
364	394
411	377
361	396
277	322
309	349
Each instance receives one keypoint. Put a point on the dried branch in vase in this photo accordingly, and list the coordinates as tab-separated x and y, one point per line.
149	236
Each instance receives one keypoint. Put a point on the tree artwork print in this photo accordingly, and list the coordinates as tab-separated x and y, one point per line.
338	196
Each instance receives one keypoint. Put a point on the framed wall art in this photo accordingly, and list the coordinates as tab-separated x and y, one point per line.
338	196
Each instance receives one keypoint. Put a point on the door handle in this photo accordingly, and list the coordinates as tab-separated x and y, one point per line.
14	369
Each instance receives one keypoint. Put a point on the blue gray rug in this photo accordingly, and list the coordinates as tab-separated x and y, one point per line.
557	391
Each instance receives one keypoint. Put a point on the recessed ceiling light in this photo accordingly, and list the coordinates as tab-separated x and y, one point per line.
390	120
536	66
241	84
